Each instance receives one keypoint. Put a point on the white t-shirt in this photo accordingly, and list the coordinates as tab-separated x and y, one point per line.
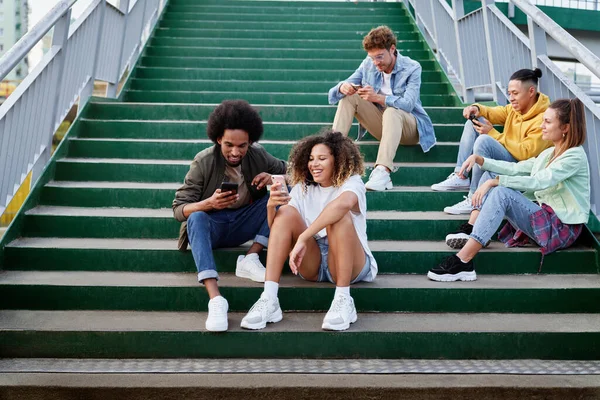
386	87
316	198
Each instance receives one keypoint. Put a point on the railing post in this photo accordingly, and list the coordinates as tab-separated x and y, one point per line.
434	27
459	11
496	86
88	89
111	91
59	38
537	42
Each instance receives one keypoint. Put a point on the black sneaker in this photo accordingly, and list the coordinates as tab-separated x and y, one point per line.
458	239
452	269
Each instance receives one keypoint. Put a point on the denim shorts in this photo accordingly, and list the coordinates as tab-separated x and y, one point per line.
325	275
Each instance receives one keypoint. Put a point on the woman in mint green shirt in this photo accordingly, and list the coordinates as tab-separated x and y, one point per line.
545	199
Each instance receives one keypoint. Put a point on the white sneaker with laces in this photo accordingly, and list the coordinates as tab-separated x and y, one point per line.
379	180
341	314
265	310
250	267
452	182
462	207
217	314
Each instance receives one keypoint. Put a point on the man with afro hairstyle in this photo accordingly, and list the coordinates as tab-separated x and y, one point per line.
212	218
383	95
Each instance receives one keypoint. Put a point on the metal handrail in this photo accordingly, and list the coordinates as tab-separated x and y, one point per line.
506	49
20	49
100	45
562	37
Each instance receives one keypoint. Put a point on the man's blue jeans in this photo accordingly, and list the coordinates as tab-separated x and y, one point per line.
225	228
486	146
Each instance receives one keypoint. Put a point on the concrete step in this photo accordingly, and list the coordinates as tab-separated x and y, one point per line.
193	73
161	255
186	29
161	96
314	45
296	386
188	130
269	112
143	170
177	149
157	195
151	291
205	50
53	221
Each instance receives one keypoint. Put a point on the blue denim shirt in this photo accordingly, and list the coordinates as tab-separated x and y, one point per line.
406	86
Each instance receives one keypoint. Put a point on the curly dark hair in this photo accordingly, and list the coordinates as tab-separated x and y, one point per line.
347	158
234	114
381	37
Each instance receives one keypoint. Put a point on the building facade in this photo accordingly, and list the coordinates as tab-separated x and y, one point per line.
13	25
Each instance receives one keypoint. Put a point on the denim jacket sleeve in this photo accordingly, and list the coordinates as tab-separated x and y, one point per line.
357	77
409	99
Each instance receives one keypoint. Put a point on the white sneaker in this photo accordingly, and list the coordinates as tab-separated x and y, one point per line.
250	267
462	207
452	182
266	309
341	314
217	314
379	180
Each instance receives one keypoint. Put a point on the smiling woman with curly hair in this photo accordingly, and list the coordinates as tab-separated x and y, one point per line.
323	222
348	160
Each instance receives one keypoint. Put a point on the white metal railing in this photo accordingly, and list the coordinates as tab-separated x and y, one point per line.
486	48
100	45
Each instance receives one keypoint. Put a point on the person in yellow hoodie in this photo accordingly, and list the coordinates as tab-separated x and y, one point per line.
520	140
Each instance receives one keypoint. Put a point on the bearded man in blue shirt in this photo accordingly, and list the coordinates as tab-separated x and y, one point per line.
383	95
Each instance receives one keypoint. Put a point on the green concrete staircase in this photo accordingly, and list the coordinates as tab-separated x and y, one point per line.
90	266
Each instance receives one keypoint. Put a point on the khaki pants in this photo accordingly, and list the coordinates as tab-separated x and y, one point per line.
391	127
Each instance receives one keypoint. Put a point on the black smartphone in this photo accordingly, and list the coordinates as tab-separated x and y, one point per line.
472	117
229	187
355	86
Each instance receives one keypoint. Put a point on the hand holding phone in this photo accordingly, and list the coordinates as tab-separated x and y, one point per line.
280	179
355	86
229	187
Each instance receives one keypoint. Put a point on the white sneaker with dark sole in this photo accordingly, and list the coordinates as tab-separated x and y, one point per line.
265	310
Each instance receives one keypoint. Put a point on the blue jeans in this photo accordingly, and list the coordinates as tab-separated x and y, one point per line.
502	202
486	146
225	228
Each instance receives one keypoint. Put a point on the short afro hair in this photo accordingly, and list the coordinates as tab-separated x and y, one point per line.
234	114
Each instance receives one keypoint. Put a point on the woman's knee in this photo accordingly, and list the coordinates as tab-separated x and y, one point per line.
341	226
285	215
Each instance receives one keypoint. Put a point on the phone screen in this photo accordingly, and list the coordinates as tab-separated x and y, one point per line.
229	187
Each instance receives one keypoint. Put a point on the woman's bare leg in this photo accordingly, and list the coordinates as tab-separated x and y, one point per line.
346	255
286	227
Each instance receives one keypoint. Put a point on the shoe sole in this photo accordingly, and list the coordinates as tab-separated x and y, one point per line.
456	243
448	210
246	275
217	328
389	186
466	276
449	188
276	317
342	327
